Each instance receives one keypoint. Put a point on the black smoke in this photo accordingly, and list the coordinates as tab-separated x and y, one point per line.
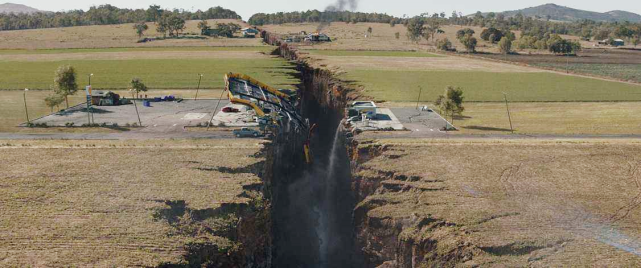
340	5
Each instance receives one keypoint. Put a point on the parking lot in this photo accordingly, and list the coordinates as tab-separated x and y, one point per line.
159	117
423	119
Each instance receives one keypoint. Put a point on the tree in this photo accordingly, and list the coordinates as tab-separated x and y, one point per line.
623	32
153	13
65	82
140	28
54	100
162	25
369	31
444	44
415	28
602	34
505	45
451	102
433	26
564	47
492	35
176	25
462	33
227	29
204	27
138	86
469	42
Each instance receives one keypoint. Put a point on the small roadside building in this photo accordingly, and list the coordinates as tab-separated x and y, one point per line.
249	32
104	98
612	42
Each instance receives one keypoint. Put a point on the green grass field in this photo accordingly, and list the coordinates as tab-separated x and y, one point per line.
156	73
489	86
265	49
628	72
367	53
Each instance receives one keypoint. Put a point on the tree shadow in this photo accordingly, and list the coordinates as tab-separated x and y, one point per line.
462	117
487	128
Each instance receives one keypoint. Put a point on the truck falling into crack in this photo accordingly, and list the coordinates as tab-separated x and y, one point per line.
276	109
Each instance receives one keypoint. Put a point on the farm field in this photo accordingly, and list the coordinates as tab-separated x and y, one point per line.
371	53
619	64
624	72
506	203
75	203
558	118
110	36
161	72
261	49
479	86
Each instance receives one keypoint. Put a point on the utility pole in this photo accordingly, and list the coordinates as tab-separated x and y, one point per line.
200	78
567	66
136	106
509	116
420	90
26	111
91	107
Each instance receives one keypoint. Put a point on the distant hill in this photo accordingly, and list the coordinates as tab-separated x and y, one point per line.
17	8
561	13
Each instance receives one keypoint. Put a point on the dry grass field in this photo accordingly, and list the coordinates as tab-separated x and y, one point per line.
116	204
108	36
514	203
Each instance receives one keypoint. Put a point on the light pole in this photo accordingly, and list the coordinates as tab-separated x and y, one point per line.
200	78
420	90
89	99
26	111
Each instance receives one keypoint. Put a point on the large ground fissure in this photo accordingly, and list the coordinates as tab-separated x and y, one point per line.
313	203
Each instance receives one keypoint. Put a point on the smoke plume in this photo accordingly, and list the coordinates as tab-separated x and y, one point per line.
340	5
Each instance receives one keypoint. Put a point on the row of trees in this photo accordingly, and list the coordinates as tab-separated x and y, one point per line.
65	85
536	26
106	15
321	16
221	30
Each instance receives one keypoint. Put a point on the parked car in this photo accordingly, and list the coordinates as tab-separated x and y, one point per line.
230	110
247	132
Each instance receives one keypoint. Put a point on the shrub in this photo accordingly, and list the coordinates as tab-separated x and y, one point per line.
444	44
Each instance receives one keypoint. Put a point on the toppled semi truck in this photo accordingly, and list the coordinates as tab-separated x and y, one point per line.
276	109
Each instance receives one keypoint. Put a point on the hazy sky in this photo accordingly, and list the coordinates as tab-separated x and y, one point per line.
394	7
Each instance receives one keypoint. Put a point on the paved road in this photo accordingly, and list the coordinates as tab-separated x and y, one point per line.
132	135
446	135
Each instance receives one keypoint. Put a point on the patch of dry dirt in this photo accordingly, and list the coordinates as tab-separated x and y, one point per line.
520	203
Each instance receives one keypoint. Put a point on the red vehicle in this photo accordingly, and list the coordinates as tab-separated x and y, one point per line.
230	110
